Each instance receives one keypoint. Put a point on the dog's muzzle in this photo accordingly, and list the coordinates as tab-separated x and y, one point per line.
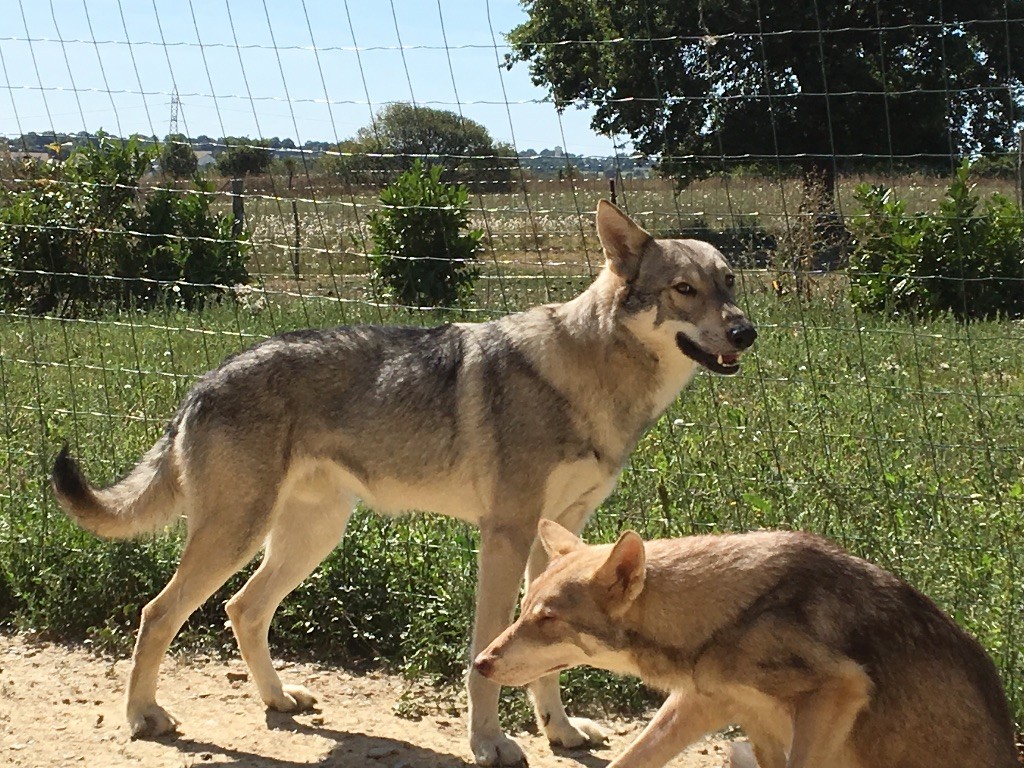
741	336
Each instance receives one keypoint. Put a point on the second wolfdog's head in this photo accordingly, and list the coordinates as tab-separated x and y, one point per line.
681	294
570	616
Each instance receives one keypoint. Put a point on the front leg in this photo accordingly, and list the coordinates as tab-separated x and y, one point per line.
546	692
683	719
503	553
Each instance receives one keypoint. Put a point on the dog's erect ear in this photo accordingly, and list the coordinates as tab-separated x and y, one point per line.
556	540
623	240
623	573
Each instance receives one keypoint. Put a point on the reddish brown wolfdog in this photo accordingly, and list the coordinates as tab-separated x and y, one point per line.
825	660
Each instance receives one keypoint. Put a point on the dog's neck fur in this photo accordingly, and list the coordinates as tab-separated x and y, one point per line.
666	629
650	378
626	391
593	313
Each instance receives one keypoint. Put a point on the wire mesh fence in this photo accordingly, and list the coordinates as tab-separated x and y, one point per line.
891	424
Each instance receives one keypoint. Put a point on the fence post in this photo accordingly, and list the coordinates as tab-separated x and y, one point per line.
611	190
237	207
298	239
289	163
1020	169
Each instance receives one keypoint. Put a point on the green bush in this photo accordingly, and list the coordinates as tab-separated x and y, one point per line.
244	157
745	242
1002	165
967	259
177	158
188	245
422	253
80	237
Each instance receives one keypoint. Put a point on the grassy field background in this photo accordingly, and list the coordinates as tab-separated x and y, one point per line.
903	441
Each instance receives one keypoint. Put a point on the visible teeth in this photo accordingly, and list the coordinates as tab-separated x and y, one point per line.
721	361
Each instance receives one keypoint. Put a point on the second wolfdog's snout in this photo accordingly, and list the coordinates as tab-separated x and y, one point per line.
742	336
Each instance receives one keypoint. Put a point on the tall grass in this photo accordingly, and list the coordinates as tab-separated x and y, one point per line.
546	226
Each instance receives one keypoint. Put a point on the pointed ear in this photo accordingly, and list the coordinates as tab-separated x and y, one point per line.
623	240
556	540
623	573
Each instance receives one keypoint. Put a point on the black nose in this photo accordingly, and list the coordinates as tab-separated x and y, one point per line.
742	336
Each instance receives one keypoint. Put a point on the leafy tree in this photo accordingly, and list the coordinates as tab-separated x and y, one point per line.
244	157
400	134
177	157
422	252
816	82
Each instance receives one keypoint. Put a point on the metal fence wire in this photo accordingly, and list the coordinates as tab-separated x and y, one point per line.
866	412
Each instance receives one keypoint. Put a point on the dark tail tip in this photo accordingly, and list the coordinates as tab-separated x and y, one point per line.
68	480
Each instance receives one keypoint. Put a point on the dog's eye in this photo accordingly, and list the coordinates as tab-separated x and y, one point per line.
685	289
730	280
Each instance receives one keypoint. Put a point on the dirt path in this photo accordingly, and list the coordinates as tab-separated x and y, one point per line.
61	706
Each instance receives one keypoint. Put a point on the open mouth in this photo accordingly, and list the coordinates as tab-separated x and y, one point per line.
726	365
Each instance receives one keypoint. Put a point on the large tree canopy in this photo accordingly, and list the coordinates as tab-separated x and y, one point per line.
708	83
399	134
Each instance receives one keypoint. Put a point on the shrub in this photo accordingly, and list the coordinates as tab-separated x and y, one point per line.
79	238
1002	165
188	245
745	242
422	253
177	158
967	259
244	157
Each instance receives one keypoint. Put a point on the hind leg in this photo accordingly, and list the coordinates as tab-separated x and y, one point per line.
304	532
825	717
213	551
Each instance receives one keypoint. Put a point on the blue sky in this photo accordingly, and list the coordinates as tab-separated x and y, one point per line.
247	67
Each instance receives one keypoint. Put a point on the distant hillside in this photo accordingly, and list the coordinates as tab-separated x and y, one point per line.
556	162
545	162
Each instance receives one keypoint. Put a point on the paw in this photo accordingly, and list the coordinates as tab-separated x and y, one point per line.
498	749
151	721
573	732
293	698
741	755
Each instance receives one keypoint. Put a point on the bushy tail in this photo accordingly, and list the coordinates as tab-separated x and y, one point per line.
144	500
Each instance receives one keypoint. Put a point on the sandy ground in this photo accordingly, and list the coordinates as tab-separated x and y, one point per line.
62	706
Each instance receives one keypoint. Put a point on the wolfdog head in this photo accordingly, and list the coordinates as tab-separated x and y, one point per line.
570	616
680	294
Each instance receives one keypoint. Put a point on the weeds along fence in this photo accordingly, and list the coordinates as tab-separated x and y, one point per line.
870	410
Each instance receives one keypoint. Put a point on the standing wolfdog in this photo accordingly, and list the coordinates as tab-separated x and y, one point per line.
500	424
825	660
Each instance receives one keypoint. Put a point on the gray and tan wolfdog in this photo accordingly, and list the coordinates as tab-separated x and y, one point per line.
825	660
499	424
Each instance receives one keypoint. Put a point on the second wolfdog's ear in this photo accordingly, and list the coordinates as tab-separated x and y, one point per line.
625	570
623	240
556	540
